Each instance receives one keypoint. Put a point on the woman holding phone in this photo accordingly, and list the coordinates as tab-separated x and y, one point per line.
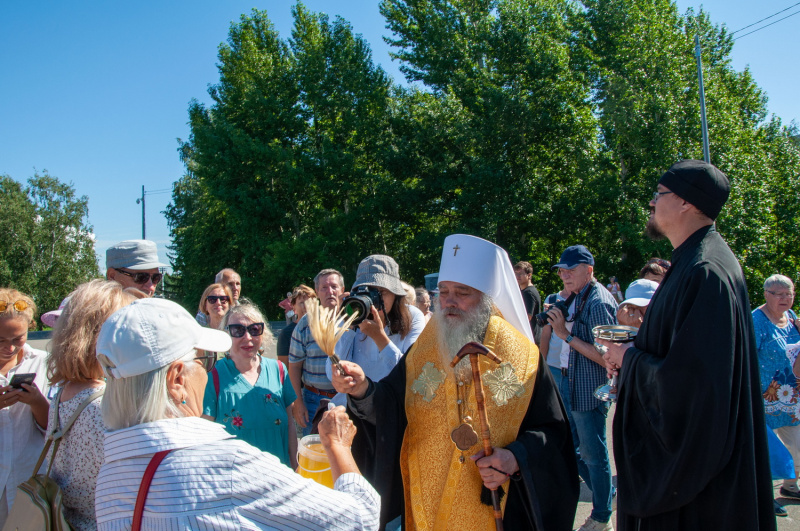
23	406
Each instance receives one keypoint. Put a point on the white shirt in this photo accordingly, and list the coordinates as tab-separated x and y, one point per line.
357	347
21	440
211	480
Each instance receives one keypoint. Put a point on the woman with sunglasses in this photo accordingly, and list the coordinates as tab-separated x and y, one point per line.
74	367
249	394
215	303
23	406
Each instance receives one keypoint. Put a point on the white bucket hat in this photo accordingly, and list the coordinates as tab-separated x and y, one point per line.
152	333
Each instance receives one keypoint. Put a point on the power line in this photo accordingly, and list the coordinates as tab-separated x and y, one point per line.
768	25
766	18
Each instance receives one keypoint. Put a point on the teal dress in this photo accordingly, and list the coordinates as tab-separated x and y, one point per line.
254	413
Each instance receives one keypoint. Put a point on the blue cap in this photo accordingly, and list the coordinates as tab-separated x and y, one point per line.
573	256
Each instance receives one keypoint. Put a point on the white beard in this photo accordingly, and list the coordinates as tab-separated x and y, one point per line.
455	333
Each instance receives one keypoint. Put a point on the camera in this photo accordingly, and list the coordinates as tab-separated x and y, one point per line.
541	318
360	302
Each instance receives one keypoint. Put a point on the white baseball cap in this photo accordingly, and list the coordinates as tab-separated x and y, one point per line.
640	292
152	333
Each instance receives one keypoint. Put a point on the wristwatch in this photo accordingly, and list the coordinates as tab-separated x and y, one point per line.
568	338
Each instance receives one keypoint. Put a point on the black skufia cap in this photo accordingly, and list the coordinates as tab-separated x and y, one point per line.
700	183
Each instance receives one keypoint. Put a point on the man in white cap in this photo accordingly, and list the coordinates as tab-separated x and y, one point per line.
435	479
134	264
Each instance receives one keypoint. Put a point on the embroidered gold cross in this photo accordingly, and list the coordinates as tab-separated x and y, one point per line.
455	249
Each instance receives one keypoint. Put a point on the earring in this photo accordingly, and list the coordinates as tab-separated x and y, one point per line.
183	402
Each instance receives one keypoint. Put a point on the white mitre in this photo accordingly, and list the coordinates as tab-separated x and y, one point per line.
482	265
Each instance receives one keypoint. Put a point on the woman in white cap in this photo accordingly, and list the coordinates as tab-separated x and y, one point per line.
73	366
208	479
637	298
381	339
23	406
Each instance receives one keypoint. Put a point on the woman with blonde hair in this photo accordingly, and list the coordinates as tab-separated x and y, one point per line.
74	367
23	406
215	303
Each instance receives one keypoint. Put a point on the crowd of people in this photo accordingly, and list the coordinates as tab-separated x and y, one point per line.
447	409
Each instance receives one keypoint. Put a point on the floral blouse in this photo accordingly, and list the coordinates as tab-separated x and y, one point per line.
254	413
779	386
79	458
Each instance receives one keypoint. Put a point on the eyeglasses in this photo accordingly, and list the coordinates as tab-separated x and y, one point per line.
237	330
20	305
666	264
141	278
657	194
213	299
789	295
207	361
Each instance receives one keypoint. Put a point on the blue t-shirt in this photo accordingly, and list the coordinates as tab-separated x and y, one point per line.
254	413
778	382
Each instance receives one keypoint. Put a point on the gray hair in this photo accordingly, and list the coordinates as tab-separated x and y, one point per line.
252	313
140	399
218	277
325	273
780	281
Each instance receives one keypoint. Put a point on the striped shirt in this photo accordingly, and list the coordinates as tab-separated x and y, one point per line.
304	349
213	481
585	375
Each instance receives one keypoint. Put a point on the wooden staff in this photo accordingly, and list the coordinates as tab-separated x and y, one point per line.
473	350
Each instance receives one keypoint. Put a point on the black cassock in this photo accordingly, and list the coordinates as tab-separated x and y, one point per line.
689	433
545	496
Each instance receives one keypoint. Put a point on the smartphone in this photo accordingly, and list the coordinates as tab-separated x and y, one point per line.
18	379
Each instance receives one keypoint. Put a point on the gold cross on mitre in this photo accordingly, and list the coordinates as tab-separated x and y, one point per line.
455	249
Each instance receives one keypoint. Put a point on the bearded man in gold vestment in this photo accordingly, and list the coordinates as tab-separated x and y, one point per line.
416	427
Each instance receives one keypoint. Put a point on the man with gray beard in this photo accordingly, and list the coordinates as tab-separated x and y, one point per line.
421	422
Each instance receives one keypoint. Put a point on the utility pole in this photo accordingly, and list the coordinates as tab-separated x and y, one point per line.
141	200
697	53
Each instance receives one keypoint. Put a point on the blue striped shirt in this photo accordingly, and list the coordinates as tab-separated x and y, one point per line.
584	374
304	349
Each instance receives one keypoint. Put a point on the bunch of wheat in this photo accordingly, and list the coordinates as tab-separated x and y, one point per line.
327	326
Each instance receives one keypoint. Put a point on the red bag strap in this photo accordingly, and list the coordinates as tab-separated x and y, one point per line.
282	369
215	377
145	487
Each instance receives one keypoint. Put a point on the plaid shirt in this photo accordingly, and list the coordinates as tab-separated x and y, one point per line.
304	349
584	374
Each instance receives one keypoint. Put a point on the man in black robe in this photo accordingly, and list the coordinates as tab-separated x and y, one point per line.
539	456
689	433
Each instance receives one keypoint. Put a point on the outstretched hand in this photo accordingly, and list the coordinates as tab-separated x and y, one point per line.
354	382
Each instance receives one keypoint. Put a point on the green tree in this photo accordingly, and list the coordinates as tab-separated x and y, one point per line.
50	249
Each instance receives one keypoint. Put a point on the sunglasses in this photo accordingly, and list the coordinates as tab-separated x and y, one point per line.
207	361
213	299
141	278
237	330
660	261
20	306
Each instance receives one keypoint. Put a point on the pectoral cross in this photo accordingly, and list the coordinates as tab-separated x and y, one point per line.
455	249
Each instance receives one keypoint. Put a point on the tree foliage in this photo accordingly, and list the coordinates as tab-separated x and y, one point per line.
536	124
49	247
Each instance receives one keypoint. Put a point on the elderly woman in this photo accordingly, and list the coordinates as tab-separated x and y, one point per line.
251	395
23	407
298	298
637	297
73	366
215	303
776	328
380	340
209	479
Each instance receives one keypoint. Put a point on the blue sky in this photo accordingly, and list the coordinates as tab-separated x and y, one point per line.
97	92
